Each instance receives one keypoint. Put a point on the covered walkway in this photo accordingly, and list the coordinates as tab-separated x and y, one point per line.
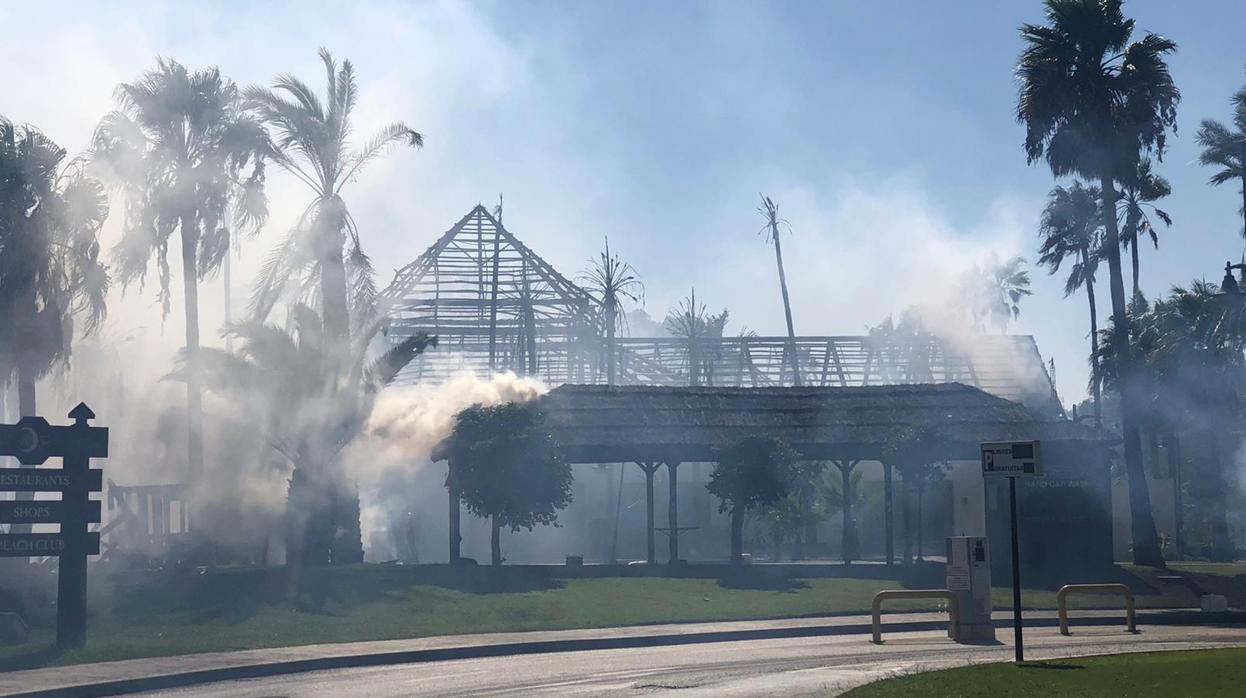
664	426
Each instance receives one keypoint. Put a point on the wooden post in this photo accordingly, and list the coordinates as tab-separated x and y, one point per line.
849	543
889	515
71	578
649	469
493	306
618	509
452	484
672	511
906	513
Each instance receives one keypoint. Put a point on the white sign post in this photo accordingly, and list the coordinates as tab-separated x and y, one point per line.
1013	459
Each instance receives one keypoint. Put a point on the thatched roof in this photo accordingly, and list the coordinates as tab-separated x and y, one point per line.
601	424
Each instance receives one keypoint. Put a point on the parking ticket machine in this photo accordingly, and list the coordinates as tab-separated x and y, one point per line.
969	578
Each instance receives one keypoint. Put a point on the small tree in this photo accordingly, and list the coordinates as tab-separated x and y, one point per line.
806	481
286	388
843	494
509	468
755	472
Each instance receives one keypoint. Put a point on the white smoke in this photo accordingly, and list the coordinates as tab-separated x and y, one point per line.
390	461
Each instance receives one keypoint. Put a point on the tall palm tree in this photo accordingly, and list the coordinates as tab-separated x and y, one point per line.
189	160
1140	190
50	271
1225	148
313	138
1092	101
1071	229
610	280
770	211
291	392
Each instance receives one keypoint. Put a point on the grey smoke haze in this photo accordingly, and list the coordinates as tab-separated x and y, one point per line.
873	232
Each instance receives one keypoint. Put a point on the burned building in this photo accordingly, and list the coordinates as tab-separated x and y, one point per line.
497	306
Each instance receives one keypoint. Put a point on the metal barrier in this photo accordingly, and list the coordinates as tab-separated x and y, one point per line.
913	594
1062	604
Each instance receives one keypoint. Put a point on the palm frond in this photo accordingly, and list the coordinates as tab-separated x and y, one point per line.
387	136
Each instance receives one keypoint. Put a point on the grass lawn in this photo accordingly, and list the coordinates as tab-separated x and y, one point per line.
153	615
1216	569
1160	674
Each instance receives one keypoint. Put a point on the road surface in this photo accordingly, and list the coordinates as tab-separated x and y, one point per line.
798	666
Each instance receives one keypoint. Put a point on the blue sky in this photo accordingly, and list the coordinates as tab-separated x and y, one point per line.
885	131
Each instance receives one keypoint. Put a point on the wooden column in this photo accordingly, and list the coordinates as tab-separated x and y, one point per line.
649	469
672	511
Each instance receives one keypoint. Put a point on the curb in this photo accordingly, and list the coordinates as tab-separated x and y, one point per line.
269	669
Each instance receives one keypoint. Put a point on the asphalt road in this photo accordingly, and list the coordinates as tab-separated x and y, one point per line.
800	666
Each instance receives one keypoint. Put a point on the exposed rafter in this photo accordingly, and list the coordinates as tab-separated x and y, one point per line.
496	305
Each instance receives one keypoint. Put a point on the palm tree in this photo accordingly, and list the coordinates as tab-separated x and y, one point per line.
1192	344
190	161
610	280
313	141
994	291
1226	148
1070	229
295	395
1091	102
770	211
50	270
693	323
1139	192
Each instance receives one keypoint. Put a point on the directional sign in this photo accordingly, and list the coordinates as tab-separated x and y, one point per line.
44	544
50	480
29	440
32	440
1012	459
41	511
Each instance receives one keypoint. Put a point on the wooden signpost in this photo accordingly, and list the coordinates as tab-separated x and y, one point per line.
32	441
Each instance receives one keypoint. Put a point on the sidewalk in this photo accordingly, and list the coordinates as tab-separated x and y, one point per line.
112	678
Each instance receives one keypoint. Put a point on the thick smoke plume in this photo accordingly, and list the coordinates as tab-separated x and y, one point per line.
399	491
